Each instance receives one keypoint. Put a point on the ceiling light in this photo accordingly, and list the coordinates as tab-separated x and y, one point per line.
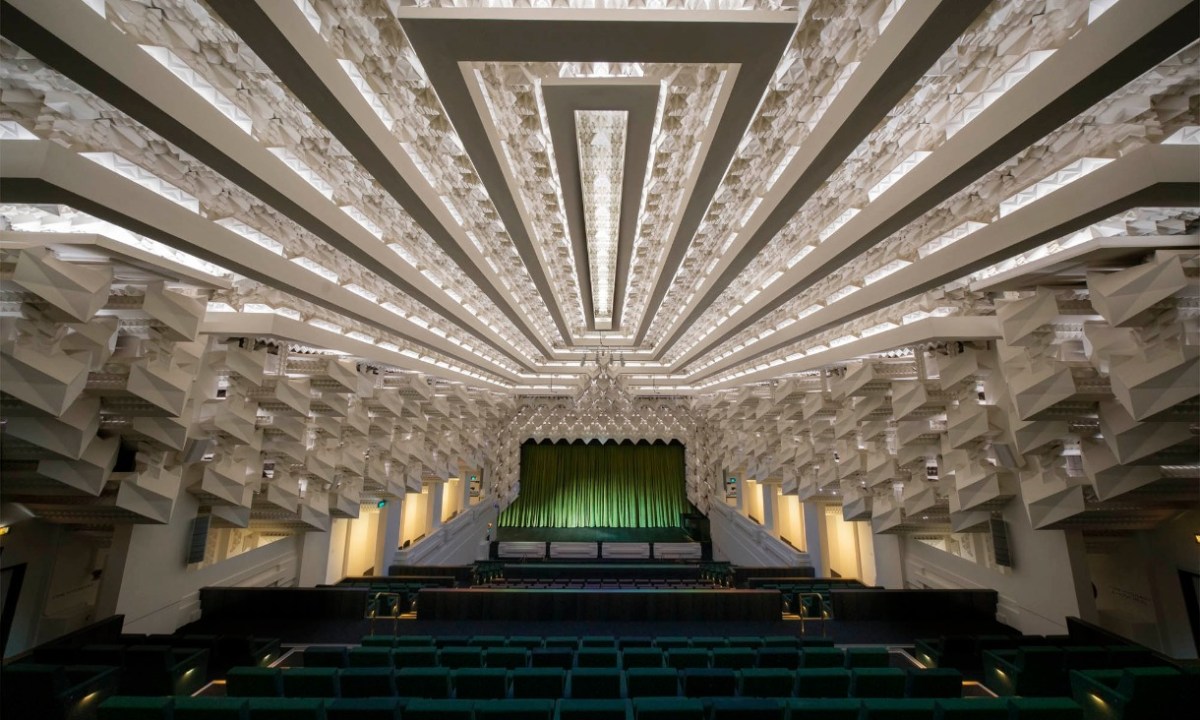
600	135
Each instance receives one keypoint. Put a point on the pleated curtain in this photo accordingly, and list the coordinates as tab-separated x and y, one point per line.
593	485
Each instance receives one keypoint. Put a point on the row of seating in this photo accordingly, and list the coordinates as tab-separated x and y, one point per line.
593	683
574	642
225	708
139	670
1044	670
965	652
602	585
517	657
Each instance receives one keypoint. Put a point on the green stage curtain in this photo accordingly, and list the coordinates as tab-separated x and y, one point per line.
609	485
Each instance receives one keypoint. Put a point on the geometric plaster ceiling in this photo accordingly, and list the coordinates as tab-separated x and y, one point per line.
795	175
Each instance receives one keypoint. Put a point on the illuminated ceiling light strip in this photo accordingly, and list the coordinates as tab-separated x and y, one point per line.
361	218
254	236
600	136
1187	135
880	273
317	269
306	173
367	92
905	167
143	177
310	14
837	224
983	100
1098	8
201	86
1044	187
947	239
11	130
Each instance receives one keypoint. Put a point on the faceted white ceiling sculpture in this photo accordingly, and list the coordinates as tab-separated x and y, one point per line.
600	137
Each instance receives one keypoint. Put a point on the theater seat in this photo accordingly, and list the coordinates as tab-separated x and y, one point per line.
822	657
1025	671
576	709
668	709
367	682
641	657
735	658
779	657
528	642
369	657
897	709
514	710
933	683
374	708
129	707
594	683
439	710
823	683
286	709
530	683
877	683
1048	708
714	682
684	658
506	657
325	656
414	656
607	642
824	709
747	709
973	708
480	683
553	657
432	683
461	657
1134	693
671	642
861	657
597	658
386	641
651	682
254	682
766	682
745	641
308	682
211	708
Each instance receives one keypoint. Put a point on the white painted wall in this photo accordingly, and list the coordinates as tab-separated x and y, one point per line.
790	520
1035	596
741	541
360	544
159	593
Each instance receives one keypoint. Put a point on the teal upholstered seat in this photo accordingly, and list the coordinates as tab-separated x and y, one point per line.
585	709
414	656
1049	708
712	682
641	657
766	682
306	682
670	642
747	709
824	709
378	641
562	641
859	657
125	707
414	641
371	708
367	682
506	657
708	642
594	683
783	641
480	683
461	657
745	641
734	658
528	642
933	683
683	658
779	657
823	683
897	709
286	709
668	709
877	683
1133	693
598	641
815	657
370	656
254	682
651	682
597	658
514	710
487	641
972	708
433	683
211	708
325	656
529	683
439	710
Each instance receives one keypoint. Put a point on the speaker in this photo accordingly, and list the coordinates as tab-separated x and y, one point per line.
199	541
1000	545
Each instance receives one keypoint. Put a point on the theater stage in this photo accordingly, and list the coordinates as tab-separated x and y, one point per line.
599	534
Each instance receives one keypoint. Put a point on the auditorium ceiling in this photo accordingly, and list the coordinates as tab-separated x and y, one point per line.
915	258
710	191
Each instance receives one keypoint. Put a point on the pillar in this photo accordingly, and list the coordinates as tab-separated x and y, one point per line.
769	507
814	529
314	559
387	536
